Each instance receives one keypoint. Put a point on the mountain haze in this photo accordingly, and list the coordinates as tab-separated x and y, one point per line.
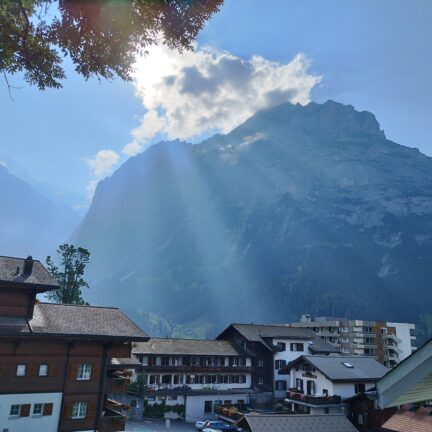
299	209
29	222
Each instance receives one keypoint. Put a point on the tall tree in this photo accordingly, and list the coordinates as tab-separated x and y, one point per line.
101	37
70	275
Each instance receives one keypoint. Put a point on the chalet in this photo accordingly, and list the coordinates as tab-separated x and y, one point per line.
194	375
271	348
54	358
320	384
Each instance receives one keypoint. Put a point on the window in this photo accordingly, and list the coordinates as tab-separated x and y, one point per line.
325	392
360	419
260	363
344	339
145	361
38	409
43	370
208	407
297	347
21	370
326	410
282	346
84	372
15	410
348	365
260	381
79	410
279	364
299	384
359	388
158	361
384	330
280	385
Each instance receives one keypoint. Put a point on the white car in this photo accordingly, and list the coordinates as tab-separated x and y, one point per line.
200	425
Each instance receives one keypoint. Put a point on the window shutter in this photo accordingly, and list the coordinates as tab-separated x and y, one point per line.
95	372
32	370
25	410
52	370
48	409
67	410
91	409
73	371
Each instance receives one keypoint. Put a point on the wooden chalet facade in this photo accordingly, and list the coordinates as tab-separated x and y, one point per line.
56	361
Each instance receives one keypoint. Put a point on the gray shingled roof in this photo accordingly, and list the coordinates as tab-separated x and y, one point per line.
255	332
298	423
364	368
185	347
11	271
321	346
73	320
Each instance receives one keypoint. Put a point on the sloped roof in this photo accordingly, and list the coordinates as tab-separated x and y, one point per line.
125	362
11	271
319	346
255	332
185	347
335	369
83	321
297	423
410	381
412	421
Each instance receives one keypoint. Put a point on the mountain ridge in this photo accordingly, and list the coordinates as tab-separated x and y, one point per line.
298	209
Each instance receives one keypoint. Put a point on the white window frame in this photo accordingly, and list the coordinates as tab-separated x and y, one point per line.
260	363
40	412
43	370
15	413
260	380
21	370
145	361
79	410
84	372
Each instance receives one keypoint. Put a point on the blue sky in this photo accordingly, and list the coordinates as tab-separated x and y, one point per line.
372	54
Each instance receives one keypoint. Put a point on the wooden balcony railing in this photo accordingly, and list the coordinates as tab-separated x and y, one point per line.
196	368
112	421
298	395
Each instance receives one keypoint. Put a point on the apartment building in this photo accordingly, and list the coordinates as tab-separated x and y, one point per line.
271	348
388	342
55	358
194	375
322	384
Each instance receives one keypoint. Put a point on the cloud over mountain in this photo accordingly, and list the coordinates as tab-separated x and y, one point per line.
208	90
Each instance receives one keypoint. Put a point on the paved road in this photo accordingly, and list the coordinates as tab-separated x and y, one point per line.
157	426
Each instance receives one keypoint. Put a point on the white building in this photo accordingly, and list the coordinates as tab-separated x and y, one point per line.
320	384
194	375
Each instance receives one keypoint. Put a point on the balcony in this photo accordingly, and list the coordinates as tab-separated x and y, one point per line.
196	368
294	395
112	421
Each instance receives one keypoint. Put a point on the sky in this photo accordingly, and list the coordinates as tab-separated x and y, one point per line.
374	55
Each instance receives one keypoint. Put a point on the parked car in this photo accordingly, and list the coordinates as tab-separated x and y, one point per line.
219	426
201	424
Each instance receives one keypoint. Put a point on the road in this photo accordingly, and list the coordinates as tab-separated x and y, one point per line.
157	426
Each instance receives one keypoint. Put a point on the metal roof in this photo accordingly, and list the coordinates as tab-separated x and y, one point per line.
345	368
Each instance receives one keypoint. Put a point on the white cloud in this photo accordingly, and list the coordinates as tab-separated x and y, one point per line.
208	90
103	163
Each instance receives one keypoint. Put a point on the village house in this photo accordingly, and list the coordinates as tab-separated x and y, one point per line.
321	384
271	348
55	358
194	375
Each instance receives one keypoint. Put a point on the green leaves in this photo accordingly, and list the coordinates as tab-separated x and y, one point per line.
70	277
101	37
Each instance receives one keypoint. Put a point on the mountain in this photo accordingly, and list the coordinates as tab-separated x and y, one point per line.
29	222
299	209
54	193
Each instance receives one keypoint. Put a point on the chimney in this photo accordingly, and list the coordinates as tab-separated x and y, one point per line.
28	266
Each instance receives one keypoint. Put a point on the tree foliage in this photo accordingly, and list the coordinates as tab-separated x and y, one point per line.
101	37
69	275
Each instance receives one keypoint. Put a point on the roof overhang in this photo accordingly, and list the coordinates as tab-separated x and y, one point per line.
408	382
